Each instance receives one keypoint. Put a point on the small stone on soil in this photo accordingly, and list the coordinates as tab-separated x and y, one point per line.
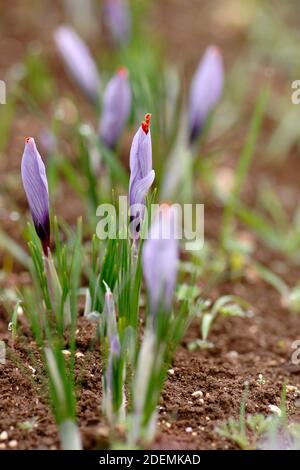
275	409
3	436
13	444
188	429
197	394
65	352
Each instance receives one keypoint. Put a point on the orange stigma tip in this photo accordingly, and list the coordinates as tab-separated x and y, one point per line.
123	72
215	50
146	123
165	206
27	139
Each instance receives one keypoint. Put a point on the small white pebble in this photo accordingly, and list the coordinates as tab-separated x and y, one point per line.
13	444
32	369
194	434
188	429
171	371
168	425
66	352
14	216
79	354
207	418
201	401
291	388
232	355
2	446
3	436
197	394
20	311
275	409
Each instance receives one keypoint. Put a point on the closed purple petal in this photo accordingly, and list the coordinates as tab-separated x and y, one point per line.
78	60
140	188
160	259
116	108
206	90
118	20
36	189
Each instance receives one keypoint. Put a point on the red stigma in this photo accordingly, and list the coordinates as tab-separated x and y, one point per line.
27	139
146	123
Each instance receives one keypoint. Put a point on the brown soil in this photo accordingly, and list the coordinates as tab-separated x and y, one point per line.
243	347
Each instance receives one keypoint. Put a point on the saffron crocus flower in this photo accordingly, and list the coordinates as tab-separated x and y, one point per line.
160	259
118	20
78	60
116	108
36	189
141	172
206	90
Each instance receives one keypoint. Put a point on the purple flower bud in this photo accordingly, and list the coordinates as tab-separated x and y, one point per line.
118	20
160	259
78	60
141	172
36	188
206	90
47	141
116	108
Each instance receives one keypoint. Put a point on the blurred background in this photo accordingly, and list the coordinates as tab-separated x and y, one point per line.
259	40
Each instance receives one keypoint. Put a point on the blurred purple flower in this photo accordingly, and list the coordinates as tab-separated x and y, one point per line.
116	108
160	259
36	188
141	172
206	90
78	60
47	141
118	20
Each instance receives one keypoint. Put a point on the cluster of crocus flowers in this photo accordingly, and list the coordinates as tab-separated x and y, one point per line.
160	259
118	20
36	188
206	90
141	173
78	60
116	108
